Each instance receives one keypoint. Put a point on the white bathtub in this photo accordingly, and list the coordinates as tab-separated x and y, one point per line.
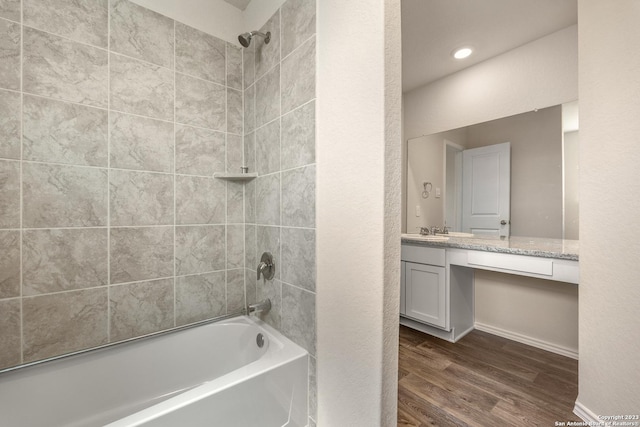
209	375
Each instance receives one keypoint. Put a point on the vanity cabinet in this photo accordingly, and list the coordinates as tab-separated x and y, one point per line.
423	292
425	297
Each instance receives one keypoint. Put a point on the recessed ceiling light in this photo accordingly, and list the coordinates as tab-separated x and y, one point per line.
462	52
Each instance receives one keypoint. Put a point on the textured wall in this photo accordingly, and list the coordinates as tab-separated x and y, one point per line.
279	109
609	378
114	119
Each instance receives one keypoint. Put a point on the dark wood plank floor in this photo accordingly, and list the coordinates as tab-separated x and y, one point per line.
482	380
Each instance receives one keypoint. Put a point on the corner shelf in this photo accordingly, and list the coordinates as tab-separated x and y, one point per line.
235	176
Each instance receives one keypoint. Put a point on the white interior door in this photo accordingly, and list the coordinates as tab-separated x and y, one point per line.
486	190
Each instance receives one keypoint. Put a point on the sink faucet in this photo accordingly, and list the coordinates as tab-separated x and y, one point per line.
424	231
435	230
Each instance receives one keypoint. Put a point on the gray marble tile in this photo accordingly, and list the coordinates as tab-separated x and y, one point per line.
268	199
141	33
200	249
234	66
234	111
60	132
299	76
268	240
141	198
234	153
199	151
313	387
250	202
9	264
299	317
200	103
299	197
250	286
271	289
61	323
141	253
63	196
141	88
200	297
10	9
63	260
9	194
268	55
200	200
137	309
10	348
63	69
298	23
250	110
9	125
268	148
84	21
235	291
10	54
250	151
299	137
249	65
235	202
250	259
200	54
235	246
141	143
299	257
268	97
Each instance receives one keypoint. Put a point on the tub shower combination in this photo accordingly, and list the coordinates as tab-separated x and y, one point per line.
235	372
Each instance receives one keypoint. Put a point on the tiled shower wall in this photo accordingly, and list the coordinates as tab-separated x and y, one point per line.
113	119
279	111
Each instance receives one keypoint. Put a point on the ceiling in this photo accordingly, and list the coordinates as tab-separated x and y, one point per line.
432	29
240	4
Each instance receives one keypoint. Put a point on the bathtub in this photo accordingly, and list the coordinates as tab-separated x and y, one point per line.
210	375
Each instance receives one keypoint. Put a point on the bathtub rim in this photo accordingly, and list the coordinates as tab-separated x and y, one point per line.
115	344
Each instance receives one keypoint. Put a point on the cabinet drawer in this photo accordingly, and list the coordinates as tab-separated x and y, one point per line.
515	263
423	255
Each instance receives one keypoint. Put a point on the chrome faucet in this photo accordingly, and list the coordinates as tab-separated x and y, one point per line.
259	307
266	267
424	231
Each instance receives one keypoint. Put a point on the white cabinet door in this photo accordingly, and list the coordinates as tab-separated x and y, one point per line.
425	293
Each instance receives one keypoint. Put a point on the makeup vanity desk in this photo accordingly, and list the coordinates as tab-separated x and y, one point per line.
437	292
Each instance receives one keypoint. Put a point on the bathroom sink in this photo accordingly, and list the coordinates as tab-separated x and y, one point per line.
428	238
456	234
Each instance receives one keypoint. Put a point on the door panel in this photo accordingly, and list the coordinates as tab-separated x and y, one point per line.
425	293
486	190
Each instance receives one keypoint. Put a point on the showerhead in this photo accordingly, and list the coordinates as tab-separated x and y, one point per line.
245	38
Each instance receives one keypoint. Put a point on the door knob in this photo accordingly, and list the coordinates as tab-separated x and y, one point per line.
503	222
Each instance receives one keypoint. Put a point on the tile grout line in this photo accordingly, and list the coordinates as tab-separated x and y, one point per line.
109	171
21	233
175	203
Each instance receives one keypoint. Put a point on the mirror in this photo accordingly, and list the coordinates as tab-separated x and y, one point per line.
543	174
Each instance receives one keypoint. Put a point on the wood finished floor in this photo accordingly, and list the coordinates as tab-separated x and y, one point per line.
482	380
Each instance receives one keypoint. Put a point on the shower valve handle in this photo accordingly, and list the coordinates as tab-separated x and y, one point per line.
266	267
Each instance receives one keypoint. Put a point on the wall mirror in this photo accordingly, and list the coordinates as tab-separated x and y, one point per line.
446	187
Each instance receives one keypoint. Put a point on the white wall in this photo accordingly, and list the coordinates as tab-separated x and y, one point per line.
609	377
358	211
571	168
537	75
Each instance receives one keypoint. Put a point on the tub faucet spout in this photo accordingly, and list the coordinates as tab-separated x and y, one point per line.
259	307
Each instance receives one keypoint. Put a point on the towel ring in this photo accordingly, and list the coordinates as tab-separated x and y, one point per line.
427	189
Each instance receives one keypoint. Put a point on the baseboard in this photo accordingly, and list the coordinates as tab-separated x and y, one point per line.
585	414
533	342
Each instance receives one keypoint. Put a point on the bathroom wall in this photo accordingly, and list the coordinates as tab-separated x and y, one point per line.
279	141
113	120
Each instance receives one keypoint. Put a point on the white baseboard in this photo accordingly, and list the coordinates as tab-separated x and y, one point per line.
533	342
585	414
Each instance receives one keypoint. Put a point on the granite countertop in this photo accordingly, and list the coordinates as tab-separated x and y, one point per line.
532	246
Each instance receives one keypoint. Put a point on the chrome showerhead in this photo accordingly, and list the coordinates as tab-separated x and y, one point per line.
245	38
